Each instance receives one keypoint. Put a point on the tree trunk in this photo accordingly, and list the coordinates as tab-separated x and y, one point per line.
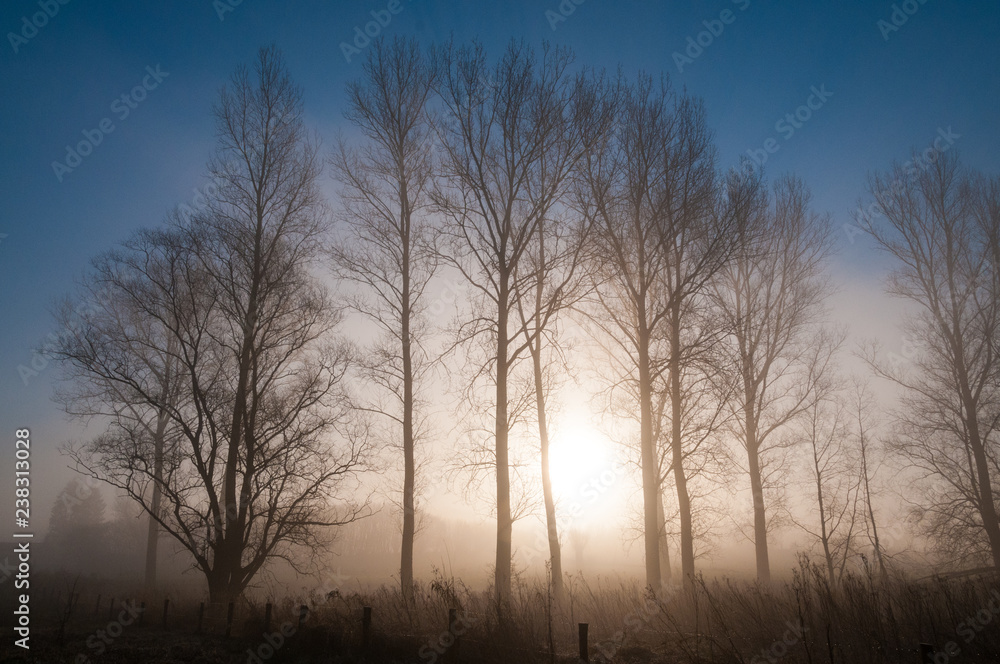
153	531
229	550
987	508
228	556
677	449
221	589
650	483
823	534
535	348
757	489
505	523
665	571
152	540
217	588
555	552
868	500
687	523
409	465
759	519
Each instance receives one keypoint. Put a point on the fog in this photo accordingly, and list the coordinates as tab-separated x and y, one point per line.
581	332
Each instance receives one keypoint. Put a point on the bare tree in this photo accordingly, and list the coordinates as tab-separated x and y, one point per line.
660	235
619	397
862	409
510	139
85	395
557	287
771	297
698	402
834	476
940	230
249	472
556	259
622	177
702	397
389	249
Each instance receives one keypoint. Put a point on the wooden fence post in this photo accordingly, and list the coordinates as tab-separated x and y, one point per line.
584	656
366	626
303	614
201	616
267	617
166	607
229	619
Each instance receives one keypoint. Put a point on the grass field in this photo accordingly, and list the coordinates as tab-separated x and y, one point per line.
862	619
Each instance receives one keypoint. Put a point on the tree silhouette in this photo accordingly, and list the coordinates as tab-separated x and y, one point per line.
940	227
250	470
771	297
389	251
510	135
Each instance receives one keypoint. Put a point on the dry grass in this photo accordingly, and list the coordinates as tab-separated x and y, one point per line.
862	619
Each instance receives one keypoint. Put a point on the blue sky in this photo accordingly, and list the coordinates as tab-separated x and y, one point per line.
890	92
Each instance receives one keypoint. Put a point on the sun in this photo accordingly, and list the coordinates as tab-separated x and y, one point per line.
578	455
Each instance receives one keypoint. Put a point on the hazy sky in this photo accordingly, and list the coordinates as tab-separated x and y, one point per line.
877	92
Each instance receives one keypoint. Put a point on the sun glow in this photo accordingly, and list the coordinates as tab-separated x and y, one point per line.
579	454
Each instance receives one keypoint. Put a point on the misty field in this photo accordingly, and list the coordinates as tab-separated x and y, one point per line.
719	621
540	365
